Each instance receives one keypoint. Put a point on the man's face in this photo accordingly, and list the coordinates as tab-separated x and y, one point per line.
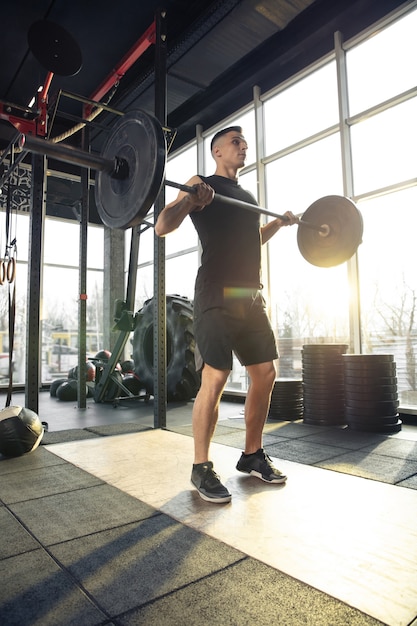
232	148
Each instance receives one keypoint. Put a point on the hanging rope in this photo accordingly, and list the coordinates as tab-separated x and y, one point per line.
8	273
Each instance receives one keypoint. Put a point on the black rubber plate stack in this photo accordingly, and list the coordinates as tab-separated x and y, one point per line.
371	394
286	400
323	384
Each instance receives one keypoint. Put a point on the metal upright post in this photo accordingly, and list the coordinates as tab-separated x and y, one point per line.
353	266
82	280
33	345
159	325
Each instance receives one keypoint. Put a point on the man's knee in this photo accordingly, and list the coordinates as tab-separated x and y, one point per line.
262	374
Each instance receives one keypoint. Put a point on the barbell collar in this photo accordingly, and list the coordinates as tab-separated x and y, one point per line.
250	207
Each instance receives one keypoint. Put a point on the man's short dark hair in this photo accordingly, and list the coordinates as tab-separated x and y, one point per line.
229	129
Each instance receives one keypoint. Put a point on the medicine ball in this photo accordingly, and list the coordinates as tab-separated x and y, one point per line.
68	391
90	372
132	383
128	366
54	386
103	355
21	431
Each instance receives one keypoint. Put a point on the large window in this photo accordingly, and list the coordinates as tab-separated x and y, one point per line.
383	65
302	110
384	148
300	152
308	304
59	315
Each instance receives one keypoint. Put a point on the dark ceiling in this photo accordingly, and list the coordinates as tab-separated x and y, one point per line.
217	50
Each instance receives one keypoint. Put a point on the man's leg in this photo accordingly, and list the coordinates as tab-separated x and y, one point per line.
205	414
206	410
254	460
262	378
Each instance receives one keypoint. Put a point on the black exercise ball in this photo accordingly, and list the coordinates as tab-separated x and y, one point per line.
128	366
90	372
132	383
54	386
102	355
21	431
68	391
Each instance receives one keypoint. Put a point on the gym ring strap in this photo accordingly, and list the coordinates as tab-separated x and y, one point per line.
11	270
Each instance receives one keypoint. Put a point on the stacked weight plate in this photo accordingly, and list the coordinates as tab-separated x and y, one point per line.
323	384
286	400
371	397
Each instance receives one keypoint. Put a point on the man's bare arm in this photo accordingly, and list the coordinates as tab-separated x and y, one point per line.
174	213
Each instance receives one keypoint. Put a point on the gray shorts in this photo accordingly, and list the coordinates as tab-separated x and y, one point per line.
235	322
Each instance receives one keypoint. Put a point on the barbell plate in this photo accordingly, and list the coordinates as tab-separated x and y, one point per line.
139	139
54	48
342	217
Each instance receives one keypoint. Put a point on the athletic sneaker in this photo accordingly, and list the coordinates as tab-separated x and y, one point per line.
260	465
208	484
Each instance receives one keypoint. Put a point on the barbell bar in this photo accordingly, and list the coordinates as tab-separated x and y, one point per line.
249	207
130	173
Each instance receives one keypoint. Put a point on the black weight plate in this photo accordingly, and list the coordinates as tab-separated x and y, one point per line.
325	364
317	391
287	393
287	404
323	398
315	373
324	348
385	369
379	419
368	358
325	382
323	386
323	414
54	48
354	397
368	381
286	414
386	429
278	392
361	412
370	389
372	404
325	406
321	371
286	409
345	231
138	138
318	357
282	404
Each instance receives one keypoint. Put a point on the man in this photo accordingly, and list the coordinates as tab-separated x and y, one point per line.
229	310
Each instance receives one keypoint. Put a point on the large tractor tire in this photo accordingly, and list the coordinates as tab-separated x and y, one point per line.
182	380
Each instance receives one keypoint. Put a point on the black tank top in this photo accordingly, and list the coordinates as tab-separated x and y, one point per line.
230	237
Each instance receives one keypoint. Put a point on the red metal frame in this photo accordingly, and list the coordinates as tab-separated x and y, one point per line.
148	38
38	125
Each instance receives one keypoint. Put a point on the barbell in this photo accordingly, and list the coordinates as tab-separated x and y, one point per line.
130	173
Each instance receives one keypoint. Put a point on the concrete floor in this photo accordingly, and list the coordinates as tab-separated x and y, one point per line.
100	525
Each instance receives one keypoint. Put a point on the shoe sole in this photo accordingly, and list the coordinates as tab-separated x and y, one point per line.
276	481
224	500
215	500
